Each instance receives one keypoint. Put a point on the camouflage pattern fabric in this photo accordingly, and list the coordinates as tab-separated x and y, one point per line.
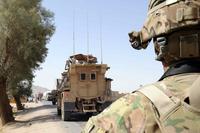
134	112
165	17
183	120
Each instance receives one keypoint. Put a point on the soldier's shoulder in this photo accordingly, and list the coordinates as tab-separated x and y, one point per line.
119	116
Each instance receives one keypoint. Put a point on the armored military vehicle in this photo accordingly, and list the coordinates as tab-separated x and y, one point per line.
83	87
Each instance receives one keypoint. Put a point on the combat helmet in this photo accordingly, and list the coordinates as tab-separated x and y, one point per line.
174	26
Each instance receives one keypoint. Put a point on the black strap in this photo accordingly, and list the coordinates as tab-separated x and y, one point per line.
181	68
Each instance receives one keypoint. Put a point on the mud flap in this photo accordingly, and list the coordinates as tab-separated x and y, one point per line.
58	111
66	115
69	106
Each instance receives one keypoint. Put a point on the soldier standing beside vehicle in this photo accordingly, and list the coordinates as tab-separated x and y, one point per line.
173	103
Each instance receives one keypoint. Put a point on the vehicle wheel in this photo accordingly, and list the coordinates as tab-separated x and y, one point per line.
107	104
89	114
58	111
66	115
99	107
53	102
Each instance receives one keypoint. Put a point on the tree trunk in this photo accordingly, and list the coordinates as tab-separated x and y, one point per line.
18	102
5	108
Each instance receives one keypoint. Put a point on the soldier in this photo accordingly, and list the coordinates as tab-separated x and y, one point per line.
173	103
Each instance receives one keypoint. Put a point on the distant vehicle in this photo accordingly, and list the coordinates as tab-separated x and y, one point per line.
30	99
47	96
83	87
50	96
53	97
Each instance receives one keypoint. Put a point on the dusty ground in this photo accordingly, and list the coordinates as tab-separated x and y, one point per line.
42	118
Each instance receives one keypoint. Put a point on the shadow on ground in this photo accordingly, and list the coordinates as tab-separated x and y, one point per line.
33	109
50	117
79	117
76	117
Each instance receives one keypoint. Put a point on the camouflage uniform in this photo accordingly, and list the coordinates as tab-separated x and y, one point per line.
135	113
171	104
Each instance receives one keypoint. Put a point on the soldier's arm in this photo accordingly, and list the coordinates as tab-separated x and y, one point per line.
125	115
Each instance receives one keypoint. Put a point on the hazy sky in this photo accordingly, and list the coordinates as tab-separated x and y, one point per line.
129	68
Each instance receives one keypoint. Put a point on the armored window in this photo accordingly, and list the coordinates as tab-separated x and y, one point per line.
82	76
93	76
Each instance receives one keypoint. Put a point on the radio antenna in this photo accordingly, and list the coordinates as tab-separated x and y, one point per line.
101	44
87	35
74	47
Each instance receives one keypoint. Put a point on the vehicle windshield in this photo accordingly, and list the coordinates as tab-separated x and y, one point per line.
154	3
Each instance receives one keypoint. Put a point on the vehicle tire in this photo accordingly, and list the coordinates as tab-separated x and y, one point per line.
107	104
66	115
58	111
53	103
89	114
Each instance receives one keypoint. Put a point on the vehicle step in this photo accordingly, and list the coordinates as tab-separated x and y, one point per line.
94	110
86	105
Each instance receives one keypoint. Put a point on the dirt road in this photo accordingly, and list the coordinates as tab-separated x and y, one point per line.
42	118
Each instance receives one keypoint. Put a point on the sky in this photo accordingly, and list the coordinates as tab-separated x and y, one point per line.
129	68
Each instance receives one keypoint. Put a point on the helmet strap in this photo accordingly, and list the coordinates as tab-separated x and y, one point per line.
162	44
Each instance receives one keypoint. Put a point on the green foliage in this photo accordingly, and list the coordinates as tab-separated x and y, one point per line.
19	86
25	29
24	88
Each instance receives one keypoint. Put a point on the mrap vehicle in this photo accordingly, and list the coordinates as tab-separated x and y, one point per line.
83	87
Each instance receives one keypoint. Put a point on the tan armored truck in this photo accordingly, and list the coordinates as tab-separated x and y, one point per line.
83	87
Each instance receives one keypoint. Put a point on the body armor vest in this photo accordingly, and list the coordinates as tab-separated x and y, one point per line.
173	115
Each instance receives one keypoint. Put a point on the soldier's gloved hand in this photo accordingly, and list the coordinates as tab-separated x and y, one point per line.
135	40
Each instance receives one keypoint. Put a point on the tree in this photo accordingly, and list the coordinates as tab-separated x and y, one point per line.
20	86
23	89
25	29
